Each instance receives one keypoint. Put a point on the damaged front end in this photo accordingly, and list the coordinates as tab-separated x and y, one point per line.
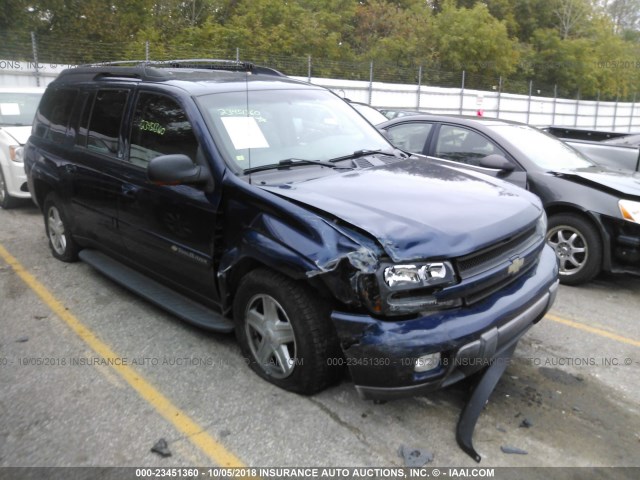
416	307
416	355
432	324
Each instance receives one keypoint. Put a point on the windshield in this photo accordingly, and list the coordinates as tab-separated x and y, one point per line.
542	149
264	127
18	109
370	113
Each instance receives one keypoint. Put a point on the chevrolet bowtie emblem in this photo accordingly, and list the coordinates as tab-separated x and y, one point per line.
515	266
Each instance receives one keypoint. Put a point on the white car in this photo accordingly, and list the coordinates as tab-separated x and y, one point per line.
18	106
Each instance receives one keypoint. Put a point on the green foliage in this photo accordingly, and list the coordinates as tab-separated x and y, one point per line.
471	39
584	47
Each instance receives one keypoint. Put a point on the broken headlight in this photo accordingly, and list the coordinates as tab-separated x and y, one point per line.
424	275
404	289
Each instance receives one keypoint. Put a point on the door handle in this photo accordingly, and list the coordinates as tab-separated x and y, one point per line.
129	191
70	168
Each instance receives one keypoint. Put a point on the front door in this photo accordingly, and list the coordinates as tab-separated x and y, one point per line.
469	147
167	230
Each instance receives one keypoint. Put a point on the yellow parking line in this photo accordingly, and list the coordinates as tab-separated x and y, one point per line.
594	330
180	420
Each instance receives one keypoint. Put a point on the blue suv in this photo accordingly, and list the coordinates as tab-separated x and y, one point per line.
242	200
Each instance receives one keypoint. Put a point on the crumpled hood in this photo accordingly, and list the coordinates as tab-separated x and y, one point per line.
19	134
626	183
420	209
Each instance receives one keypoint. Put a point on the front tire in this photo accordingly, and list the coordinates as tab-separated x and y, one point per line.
578	247
285	332
6	200
63	246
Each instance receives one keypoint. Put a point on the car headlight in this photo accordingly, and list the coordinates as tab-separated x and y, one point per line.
541	225
405	289
630	210
16	153
418	275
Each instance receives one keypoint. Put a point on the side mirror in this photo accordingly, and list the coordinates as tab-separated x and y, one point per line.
497	162
176	170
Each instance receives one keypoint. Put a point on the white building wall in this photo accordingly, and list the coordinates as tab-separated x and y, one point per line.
540	111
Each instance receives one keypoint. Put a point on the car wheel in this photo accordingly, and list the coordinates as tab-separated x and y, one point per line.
578	247
62	244
285	332
6	200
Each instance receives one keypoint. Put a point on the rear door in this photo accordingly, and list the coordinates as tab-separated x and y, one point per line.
97	161
167	230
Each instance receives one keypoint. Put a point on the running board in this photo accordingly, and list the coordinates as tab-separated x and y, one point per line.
175	303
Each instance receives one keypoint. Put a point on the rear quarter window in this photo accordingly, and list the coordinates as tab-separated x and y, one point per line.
103	135
54	114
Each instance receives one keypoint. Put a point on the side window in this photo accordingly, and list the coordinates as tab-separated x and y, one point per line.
160	127
463	145
410	137
106	118
54	113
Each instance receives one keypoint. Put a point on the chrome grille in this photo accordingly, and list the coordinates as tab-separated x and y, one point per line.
497	253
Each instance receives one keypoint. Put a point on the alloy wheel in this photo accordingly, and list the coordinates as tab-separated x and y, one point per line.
571	248
56	229
270	336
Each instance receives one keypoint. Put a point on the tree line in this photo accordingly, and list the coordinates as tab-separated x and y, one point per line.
588	47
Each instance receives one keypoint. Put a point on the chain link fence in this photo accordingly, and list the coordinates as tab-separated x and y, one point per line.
33	56
27	48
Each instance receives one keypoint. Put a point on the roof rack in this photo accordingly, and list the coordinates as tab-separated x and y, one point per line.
153	70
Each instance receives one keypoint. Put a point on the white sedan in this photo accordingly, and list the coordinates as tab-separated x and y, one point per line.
18	106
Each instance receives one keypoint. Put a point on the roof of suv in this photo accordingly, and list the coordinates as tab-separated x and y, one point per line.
196	76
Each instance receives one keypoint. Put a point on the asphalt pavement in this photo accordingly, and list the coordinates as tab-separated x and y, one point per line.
92	375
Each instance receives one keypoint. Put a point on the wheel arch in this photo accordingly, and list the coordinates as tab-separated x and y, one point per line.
563	208
41	190
593	220
230	279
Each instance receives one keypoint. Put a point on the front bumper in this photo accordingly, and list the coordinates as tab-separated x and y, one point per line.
16	180
626	247
621	244
381	354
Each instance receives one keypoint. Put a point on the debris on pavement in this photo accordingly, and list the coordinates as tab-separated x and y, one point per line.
526	423
415	457
162	448
513	450
22	339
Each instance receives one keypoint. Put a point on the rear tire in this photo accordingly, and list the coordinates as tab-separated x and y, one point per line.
6	200
285	332
578	247
63	246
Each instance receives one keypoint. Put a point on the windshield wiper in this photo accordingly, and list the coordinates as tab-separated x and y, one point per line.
293	162
356	154
365	152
